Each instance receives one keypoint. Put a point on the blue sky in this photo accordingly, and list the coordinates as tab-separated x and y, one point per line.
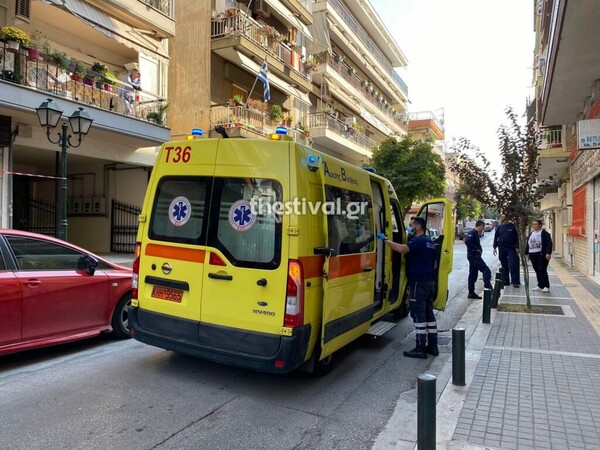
471	57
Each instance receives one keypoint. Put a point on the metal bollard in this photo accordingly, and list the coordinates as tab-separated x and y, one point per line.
458	356
496	293
426	432
500	277
487	305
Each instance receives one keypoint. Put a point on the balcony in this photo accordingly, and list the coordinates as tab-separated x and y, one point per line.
333	134
242	121
427	123
551	138
243	32
45	76
371	46
362	87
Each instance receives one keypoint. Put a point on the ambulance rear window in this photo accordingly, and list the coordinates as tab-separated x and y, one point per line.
244	224
179	210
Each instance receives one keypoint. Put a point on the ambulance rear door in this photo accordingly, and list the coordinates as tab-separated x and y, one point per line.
245	277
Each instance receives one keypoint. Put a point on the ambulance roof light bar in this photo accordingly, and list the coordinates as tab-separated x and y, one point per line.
196	133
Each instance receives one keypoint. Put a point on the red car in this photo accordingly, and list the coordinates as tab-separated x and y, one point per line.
53	292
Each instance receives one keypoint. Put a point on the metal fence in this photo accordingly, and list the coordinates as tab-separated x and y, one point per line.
35	215
123	226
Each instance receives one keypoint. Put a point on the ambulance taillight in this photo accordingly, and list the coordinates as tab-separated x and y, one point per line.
294	304
136	271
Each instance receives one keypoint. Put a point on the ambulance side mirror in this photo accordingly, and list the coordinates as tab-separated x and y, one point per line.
324	251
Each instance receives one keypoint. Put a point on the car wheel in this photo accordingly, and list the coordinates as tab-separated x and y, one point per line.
120	318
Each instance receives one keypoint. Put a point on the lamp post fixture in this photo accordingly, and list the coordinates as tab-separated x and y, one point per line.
49	114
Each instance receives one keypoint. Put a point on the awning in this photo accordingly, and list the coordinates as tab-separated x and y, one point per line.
274	80
282	11
114	28
320	31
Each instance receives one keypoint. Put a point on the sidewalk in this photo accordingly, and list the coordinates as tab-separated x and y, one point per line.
532	380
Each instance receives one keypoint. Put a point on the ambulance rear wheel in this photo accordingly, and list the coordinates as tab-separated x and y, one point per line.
323	367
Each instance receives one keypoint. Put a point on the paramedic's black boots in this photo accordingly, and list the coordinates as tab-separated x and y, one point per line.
474	296
417	352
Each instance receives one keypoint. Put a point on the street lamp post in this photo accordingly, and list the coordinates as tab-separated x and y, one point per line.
49	115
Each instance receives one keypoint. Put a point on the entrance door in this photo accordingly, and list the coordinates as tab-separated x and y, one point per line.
438	215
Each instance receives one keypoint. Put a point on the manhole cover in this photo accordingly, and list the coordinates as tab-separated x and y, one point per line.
555	310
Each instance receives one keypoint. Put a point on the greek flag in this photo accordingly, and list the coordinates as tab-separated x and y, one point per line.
263	77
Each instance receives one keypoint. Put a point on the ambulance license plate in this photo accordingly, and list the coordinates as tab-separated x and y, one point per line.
172	295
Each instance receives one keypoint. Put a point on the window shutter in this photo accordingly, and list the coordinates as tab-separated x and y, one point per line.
24	8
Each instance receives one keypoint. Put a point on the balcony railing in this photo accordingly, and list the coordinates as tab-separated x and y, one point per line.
366	90
252	120
263	36
551	138
328	122
164	6
368	42
426	115
45	76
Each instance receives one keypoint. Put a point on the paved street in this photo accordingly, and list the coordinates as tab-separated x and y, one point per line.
102	393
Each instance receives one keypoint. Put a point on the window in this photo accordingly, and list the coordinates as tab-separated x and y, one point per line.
34	254
350	224
248	238
179	210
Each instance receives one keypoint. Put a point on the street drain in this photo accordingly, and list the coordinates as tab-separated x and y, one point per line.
554	310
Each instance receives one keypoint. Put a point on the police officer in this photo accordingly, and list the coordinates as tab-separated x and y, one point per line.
506	240
420	271
476	262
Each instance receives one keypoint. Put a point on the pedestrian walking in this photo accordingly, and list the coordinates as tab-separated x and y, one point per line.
476	262
539	249
420	271
506	241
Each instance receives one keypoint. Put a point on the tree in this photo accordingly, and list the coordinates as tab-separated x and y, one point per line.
466	205
515	192
414	169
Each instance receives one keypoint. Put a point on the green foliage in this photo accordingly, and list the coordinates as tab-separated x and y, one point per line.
276	113
514	192
14	34
466	205
60	59
414	169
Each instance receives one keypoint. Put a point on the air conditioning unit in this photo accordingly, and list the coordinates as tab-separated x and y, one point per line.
261	7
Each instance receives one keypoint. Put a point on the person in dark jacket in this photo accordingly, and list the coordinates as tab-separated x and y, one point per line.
420	271
476	262
506	240
539	249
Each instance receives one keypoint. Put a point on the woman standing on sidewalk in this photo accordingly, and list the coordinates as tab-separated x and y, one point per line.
539	249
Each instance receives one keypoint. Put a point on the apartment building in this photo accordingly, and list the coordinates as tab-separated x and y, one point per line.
330	69
567	70
78	57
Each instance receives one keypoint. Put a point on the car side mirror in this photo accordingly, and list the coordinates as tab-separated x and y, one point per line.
90	263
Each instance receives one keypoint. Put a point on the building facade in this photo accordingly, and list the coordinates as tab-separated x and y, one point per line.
567	70
78	56
330	69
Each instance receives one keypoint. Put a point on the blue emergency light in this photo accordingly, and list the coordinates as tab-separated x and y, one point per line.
281	130
196	133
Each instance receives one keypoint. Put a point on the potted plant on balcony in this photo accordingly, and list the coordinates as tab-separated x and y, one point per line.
158	116
287	120
100	70
77	69
60	59
109	80
238	100
33	50
14	38
276	113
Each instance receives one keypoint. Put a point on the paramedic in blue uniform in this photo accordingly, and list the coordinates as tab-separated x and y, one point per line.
506	240
420	270
476	262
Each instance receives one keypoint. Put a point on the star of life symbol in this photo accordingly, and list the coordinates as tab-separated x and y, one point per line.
240	215
180	211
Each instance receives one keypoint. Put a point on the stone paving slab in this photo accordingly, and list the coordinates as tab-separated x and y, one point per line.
532	400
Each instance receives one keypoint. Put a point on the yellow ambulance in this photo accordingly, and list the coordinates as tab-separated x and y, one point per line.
262	254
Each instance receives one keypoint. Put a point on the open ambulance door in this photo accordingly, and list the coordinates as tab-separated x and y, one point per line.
348	273
438	216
